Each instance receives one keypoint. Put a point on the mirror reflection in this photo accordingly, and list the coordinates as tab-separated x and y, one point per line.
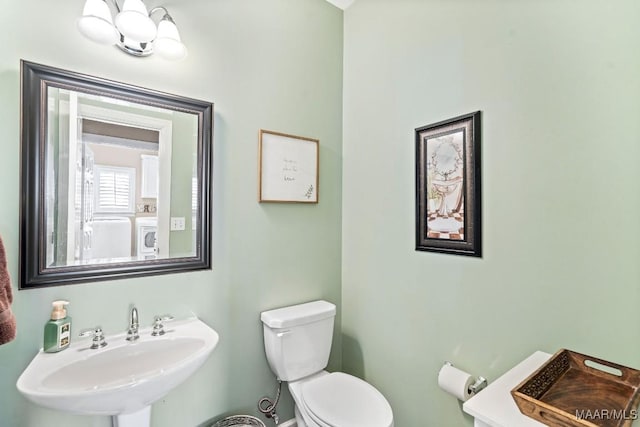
114	181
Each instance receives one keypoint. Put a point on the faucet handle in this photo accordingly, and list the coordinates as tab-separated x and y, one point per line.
158	324
98	337
133	318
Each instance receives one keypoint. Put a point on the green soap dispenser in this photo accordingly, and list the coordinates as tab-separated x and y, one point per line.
57	331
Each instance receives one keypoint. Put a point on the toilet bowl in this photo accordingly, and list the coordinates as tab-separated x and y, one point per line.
297	345
340	400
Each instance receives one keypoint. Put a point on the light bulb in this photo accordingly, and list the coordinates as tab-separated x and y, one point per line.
167	43
134	22
96	23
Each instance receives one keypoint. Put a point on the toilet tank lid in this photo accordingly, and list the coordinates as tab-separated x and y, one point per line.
300	314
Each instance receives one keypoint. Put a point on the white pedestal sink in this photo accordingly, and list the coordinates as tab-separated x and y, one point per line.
122	379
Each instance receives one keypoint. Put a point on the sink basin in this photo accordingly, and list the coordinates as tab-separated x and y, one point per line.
121	378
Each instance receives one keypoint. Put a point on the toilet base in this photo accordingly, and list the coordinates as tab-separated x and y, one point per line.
295	390
299	420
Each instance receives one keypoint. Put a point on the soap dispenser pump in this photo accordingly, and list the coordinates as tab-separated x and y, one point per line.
57	331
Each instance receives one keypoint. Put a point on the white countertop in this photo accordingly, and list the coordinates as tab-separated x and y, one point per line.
495	406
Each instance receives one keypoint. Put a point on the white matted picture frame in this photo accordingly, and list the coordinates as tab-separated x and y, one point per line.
288	168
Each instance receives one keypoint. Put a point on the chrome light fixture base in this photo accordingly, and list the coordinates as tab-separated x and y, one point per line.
136	49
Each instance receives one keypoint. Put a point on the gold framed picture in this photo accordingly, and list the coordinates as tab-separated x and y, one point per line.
288	168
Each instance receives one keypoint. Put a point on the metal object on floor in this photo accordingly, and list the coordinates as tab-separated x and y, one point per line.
238	421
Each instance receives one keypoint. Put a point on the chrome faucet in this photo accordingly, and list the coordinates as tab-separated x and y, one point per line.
132	332
158	324
98	337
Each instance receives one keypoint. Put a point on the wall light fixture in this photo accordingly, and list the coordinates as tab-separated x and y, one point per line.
134	31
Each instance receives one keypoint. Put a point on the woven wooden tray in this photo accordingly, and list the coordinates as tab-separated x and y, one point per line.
566	392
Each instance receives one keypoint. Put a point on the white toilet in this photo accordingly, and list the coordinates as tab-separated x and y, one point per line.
297	341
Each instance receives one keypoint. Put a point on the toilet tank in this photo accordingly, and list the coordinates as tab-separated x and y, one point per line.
297	339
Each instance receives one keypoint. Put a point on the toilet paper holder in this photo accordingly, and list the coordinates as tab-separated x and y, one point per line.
478	384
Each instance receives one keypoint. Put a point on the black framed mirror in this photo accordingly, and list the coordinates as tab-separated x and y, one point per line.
115	180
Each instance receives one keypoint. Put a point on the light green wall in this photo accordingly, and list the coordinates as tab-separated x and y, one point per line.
273	64
184	150
558	83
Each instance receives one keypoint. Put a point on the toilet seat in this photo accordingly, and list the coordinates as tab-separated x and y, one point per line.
342	400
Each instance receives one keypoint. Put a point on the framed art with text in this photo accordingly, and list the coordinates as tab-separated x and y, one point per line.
448	196
288	168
